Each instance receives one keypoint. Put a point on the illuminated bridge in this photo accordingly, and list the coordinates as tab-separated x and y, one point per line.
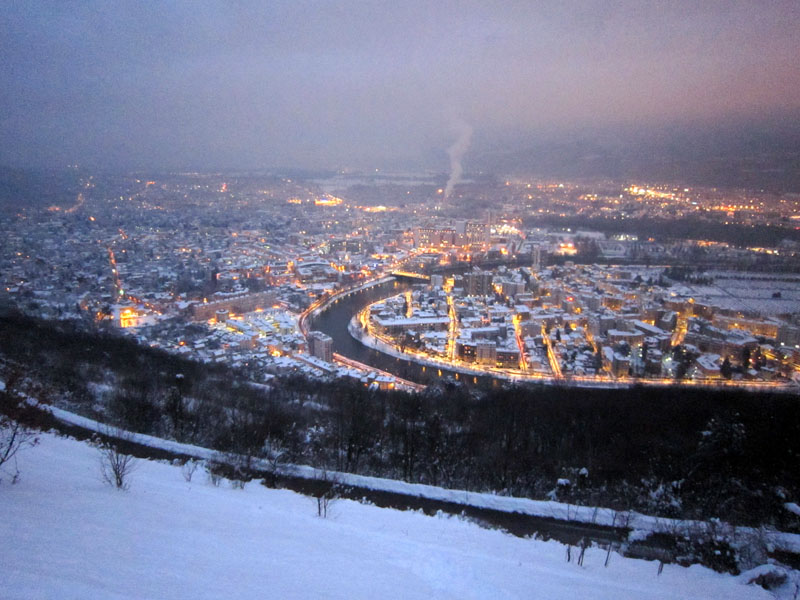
411	275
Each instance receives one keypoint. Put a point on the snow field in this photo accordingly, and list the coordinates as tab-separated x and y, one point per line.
66	534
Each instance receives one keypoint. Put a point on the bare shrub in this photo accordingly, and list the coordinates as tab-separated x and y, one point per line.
213	473
237	467
13	436
115	465
327	493
188	468
274	453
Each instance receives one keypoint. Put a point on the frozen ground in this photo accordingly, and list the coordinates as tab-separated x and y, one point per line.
65	534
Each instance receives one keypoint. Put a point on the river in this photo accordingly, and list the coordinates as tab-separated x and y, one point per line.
334	320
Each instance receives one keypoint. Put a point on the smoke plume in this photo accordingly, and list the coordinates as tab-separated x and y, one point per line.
456	152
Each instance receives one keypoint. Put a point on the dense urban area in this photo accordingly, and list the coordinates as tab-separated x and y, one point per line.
583	283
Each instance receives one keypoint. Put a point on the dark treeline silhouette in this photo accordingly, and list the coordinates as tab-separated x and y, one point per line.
27	188
679	452
674	229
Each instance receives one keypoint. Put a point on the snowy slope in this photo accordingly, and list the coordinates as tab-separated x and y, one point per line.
65	534
642	524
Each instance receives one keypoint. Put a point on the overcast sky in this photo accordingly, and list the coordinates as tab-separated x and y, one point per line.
345	83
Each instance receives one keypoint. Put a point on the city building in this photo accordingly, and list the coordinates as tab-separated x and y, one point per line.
320	346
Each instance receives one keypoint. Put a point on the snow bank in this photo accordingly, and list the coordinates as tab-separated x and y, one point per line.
792	507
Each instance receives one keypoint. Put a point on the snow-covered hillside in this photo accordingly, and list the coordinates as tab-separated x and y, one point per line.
66	534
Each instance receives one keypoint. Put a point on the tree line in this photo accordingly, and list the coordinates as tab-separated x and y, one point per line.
677	452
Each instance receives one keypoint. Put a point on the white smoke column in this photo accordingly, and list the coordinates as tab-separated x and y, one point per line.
456	152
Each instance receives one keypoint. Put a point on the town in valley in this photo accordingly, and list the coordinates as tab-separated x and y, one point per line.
517	280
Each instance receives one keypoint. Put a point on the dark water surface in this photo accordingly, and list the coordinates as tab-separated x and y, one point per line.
334	320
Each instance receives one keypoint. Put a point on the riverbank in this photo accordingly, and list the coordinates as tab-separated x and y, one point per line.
359	334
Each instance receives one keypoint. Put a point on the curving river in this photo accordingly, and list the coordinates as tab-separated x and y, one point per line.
334	320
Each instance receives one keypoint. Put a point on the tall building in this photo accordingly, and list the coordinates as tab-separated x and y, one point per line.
478	283
476	233
538	255
512	288
486	353
435	237
320	345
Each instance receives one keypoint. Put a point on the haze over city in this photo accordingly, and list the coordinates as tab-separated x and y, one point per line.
252	85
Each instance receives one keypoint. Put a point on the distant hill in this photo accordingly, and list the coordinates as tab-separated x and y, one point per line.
758	158
20	188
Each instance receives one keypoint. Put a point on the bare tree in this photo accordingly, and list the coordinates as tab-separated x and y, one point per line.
13	438
188	468
608	553
327	493
583	545
274	452
214	478
13	435
115	466
236	467
215	468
